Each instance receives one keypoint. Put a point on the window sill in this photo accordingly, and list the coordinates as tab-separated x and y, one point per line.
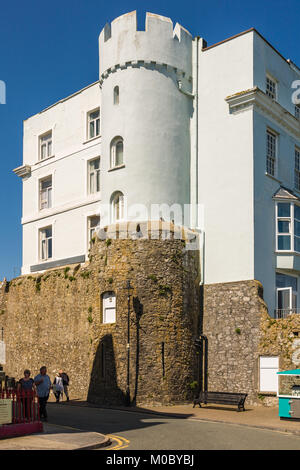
117	167
92	139
286	252
268	394
45	160
273	178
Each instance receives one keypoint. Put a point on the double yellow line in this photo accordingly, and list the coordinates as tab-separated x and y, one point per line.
122	443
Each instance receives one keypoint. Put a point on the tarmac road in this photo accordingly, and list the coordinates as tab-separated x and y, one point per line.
142	431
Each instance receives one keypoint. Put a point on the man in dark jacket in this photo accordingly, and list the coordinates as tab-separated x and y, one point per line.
66	380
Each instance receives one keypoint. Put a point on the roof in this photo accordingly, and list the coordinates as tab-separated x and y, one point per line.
289	372
253	30
284	193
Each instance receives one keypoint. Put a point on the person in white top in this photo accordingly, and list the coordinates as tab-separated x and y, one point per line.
58	387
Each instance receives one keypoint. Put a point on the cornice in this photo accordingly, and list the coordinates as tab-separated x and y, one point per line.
143	63
257	99
23	171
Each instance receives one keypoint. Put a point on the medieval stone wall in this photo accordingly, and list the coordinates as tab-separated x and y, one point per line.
55	319
232	324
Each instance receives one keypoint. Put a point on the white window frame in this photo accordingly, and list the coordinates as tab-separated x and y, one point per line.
118	208
113	298
48	194
271	158
271	87
94	121
92	230
291	219
48	144
293	295
42	238
95	174
113	152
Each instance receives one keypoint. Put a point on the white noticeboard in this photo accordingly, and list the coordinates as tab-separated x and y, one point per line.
2	352
269	367
5	411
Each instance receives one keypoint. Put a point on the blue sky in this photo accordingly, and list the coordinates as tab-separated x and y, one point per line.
49	50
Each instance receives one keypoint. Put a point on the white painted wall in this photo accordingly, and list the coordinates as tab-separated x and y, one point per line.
71	204
226	162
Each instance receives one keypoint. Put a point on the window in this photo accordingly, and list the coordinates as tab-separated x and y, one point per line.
46	243
46	193
109	307
297	169
117	207
116	95
116	152
93	226
271	153
297	111
94	123
288	227
271	88
94	176
268	368
286	295
45	146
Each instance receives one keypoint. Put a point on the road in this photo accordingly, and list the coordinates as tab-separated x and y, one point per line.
144	431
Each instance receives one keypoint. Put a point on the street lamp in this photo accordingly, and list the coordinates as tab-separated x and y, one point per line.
127	398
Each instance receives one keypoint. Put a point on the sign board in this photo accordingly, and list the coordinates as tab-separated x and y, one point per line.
5	411
2	352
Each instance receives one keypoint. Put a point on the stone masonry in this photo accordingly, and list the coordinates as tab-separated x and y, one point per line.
55	319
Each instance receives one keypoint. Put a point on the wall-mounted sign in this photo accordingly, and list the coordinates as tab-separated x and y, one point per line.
2	353
5	411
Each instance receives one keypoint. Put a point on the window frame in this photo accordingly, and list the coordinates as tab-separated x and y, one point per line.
116	93
271	159
89	121
96	173
49	206
111	294
90	235
46	239
47	142
271	82
297	168
113	152
291	219
121	209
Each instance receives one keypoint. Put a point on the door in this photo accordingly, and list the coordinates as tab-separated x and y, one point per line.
284	301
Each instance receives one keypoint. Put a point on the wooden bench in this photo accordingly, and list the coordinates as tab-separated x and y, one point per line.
223	398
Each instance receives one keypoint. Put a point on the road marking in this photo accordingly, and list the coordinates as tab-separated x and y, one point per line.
122	443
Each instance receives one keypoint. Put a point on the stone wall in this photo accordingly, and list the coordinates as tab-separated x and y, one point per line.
232	324
55	319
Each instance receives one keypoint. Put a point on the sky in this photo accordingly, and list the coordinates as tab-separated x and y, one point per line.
49	50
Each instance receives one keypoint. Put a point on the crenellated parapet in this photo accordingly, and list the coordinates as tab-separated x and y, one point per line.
160	46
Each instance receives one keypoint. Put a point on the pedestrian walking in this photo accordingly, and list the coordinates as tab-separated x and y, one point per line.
25	388
66	381
43	386
58	387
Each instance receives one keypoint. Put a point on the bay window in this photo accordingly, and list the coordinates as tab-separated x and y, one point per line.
287	227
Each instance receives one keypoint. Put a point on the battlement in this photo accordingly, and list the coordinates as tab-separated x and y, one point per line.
121	42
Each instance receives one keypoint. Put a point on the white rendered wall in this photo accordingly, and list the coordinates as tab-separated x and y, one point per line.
71	204
153	116
226	162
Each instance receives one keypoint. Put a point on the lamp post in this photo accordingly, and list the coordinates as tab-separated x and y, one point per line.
127	399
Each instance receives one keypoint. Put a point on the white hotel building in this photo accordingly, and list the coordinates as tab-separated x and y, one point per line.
173	121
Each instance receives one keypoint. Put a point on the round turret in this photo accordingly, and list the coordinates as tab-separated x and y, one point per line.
145	119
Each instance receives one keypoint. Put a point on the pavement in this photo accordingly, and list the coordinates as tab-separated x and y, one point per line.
57	437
